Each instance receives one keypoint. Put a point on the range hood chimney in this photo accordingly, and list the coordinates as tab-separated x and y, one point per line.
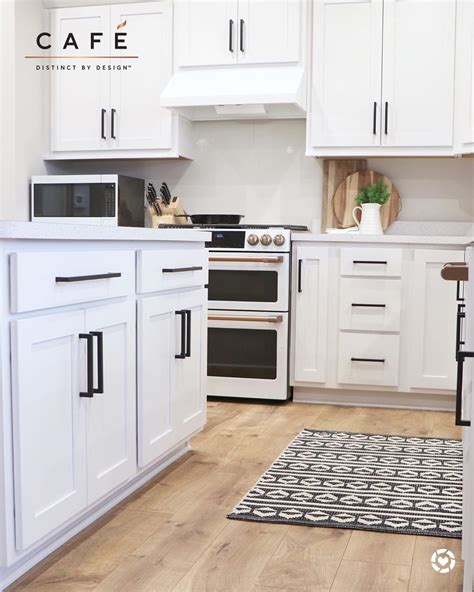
237	93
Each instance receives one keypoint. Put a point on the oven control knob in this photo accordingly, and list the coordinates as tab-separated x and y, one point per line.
266	240
252	239
279	240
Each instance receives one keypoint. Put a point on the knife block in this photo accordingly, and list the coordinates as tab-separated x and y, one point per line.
170	214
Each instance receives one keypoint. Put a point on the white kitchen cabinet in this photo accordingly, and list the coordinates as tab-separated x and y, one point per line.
392	94
79	100
136	116
310	314
433	321
226	32
111	414
346	73
116	112
418	73
464	95
49	430
171	371
206	32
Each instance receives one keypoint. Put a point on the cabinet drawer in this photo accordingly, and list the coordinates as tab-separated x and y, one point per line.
369	358
169	270
371	262
369	304
48	280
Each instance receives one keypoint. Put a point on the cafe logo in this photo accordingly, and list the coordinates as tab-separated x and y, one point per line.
43	40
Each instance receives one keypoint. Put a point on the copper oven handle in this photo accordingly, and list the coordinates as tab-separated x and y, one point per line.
246	319
278	259
457	271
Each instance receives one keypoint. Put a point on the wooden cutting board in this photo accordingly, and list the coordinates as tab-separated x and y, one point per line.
344	201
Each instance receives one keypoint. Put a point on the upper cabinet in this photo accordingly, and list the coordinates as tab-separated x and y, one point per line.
223	32
464	121
383	78
112	108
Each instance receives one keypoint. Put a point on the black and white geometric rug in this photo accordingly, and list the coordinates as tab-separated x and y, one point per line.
398	484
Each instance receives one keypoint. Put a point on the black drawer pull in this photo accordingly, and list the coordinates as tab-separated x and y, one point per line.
231	36
459	384
378	360
459	328
86	278
188	333
180	269
90	365
371	262
100	362
374	122
103	112
112	124
368	305
300	263
182	354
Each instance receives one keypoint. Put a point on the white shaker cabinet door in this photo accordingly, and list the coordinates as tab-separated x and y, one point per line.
206	32
191	370
311	303
80	99
431	339
269	31
48	373
137	121
111	413
418	72
347	73
157	347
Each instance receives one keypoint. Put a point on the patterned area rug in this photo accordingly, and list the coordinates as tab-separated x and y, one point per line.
362	481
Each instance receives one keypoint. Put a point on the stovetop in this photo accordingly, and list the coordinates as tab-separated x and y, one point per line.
292	227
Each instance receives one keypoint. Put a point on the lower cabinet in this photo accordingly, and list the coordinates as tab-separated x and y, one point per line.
171	371
311	303
387	319
433	321
73	413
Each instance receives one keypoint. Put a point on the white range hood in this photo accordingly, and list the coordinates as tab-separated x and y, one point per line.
237	93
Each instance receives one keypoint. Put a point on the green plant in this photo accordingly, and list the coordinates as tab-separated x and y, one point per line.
377	193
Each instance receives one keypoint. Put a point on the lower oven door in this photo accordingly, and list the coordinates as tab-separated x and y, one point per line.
248	355
249	281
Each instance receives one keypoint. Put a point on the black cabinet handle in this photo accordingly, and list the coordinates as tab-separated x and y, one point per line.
90	365
459	319
182	354
459	298
100	361
300	264
86	278
386	117
231	36
102	124
242	23
459	383
370	262
378	360
180	269
188	333
374	122
368	305
112	124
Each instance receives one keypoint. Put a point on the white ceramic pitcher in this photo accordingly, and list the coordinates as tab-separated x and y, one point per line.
370	218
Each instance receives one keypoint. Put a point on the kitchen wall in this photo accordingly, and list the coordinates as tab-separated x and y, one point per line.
259	169
23	121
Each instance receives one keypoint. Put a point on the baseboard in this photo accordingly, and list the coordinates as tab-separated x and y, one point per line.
396	400
10	574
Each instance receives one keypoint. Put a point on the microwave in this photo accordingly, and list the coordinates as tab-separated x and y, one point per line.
106	200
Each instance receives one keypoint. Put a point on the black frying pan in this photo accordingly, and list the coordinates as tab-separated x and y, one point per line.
213	218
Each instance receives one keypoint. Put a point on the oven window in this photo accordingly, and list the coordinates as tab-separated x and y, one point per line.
243	286
242	353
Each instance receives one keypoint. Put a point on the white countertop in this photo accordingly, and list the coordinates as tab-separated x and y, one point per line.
382	239
47	231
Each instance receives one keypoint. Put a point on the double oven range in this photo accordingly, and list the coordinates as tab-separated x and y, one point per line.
248	305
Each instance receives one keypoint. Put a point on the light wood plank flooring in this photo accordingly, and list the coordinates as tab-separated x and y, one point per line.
173	534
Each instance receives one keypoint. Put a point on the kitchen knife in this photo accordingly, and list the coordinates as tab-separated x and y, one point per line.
167	193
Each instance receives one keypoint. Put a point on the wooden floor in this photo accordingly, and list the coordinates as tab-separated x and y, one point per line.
174	536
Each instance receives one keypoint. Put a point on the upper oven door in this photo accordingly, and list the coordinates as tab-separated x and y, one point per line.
249	281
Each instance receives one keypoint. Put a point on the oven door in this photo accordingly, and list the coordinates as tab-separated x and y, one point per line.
248	355
256	281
